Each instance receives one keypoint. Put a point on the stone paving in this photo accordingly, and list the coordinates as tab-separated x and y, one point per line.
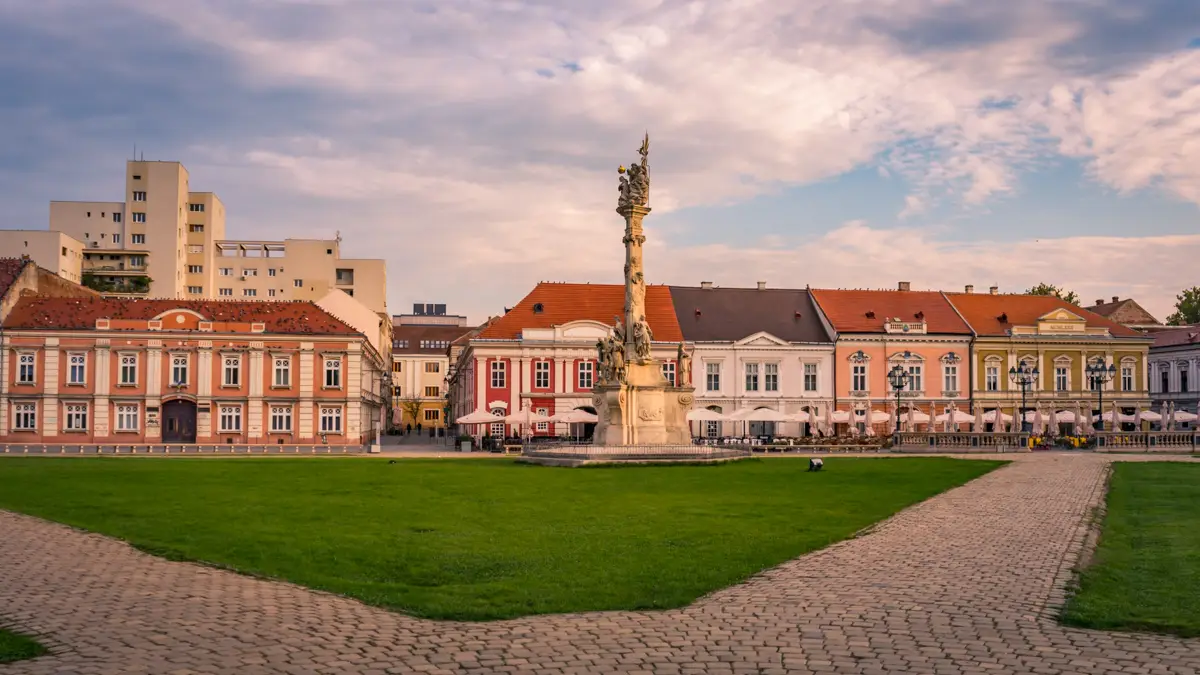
967	582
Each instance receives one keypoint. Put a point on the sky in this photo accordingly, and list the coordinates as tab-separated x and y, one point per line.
473	144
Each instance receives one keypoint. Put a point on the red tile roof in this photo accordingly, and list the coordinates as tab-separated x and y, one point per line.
1184	335
43	313
983	312
10	269
866	311
564	303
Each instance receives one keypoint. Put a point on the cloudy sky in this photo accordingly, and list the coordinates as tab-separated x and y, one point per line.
473	143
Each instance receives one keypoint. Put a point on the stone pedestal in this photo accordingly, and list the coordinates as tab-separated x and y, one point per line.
644	410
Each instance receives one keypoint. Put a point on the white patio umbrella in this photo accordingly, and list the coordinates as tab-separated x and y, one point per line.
764	415
878	416
478	417
828	426
526	418
839	417
1151	416
1052	423
911	422
1117	417
1077	429
991	415
1185	416
705	415
577	416
1166	417
1039	426
978	424
954	416
800	416
1137	419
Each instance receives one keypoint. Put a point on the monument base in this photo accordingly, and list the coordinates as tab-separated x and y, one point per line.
597	455
644	410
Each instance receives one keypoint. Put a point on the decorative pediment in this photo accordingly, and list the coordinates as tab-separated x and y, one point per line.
1061	321
905	357
760	339
903	326
592	330
503	405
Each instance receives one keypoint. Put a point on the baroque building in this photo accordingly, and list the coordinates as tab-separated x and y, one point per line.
421	363
1174	367
124	371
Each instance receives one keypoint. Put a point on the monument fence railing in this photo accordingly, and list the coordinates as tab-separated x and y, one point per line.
178	449
582	450
1105	441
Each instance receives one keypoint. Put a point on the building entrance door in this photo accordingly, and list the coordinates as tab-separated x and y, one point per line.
179	421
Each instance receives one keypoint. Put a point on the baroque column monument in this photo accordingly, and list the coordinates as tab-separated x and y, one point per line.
635	402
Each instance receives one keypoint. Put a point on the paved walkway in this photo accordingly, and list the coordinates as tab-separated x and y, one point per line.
967	582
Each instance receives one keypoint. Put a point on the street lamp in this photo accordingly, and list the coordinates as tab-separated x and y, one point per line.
898	377
1023	376
1099	375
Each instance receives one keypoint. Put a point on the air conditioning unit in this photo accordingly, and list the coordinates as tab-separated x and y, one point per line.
241	278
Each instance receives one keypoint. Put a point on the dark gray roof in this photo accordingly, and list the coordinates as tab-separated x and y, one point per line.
730	314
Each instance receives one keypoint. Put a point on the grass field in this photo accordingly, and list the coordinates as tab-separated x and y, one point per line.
1146	571
480	539
16	647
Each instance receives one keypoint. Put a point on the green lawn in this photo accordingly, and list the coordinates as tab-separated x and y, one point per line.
15	647
480	539
1146	571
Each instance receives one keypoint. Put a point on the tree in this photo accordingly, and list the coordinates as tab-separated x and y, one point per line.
1187	308
1050	289
412	406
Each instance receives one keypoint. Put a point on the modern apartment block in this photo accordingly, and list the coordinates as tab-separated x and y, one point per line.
164	240
52	251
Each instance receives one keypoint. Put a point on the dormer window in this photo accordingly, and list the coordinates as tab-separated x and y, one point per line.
870	315
538	308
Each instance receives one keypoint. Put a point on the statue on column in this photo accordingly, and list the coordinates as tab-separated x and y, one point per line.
634	184
683	364
642	337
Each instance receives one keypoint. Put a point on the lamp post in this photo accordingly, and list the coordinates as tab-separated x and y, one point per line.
1023	376
1099	375
898	377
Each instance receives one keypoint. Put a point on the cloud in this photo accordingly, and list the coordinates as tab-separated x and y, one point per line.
472	143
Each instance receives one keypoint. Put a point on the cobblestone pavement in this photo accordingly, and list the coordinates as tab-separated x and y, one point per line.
967	582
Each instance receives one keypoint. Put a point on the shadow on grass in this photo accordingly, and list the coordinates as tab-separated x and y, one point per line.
17	647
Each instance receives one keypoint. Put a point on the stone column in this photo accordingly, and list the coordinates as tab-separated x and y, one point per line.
635	278
304	414
50	388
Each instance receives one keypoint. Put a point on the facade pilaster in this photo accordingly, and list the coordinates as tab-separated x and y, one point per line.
353	409
254	406
50	366
304	415
481	383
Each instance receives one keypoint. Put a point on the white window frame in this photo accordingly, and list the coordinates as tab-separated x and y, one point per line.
330	419
195	290
231	370
333	372
498	372
270	271
543	426
139	217
712	376
249	271
431	415
128	417
712	429
138	238
225	291
24	417
298	283
127	371
433	367
751	372
281	419
250	292
858	377
1128	377
668	371
26	367
1062	377
541	374
139	195
225	271
991	376
77	368
949	377
75	416
229	418
281	366
770	377
180	365
195	269
496	429
811	376
587	373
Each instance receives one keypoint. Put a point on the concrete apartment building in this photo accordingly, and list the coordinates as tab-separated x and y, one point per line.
420	363
52	251
164	240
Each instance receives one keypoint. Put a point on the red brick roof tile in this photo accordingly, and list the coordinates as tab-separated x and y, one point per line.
564	303
43	313
983	312
10	269
852	311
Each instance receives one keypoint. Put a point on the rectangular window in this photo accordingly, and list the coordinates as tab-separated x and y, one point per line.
129	369
433	367
24	416
432	392
498	374
281	418
1127	378
196	208
751	377
331	420
231	418
26	370
76	419
195	269
116	217
810	377
541	374
116	239
396	366
76	368
950	378
712	376
232	370
1166	381
226	271
139	196
668	371
179	370
283	372
771	377
195	227
543	426
137	261
249	271
915	382
991	378
585	375
127	417
333	373
225	291
1060	378
858	377
195	290
270	271
249	292
270	292
195	248
298	283
137	238
139	217
433	414
712	429
1183	382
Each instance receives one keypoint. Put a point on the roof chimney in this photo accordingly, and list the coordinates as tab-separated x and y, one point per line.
994	290
1116	299
904	285
1099	301
762	285
969	288
705	284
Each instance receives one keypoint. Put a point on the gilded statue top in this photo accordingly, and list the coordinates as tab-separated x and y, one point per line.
634	184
